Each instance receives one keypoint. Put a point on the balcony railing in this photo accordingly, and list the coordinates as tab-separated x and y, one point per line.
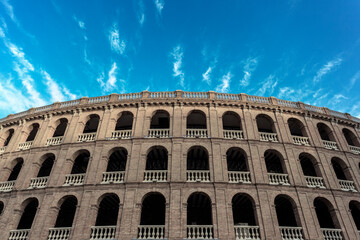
74	179
331	234
330	145
151	232
7	186
233	134
20	234
347	185
121	134
197	175
268	137
291	233
59	233
314	182
355	150
239	177
301	140
25	145
247	232
196	133
86	137
200	232
54	141
159	133
39	182
102	232
278	179
155	175
113	177
2	150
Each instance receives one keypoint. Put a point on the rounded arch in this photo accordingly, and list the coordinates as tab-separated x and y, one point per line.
157	158
236	159
33	128
117	159
7	137
81	161
325	213
354	207
274	161
92	123
196	119
67	208
16	166
108	210
160	120
197	158
265	123
340	168
350	137
124	121
325	132
47	162
61	125
286	211
153	209
296	127
199	210
29	207
309	165
243	207
231	121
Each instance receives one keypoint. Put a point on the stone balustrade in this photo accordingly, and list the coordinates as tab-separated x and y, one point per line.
54	141
314	182
74	179
258	99
301	140
113	177
121	134
198	95
347	185
25	145
200	232
247	232
158	133
151	232
278	179
87	137
2	150
7	186
353	149
291	233
330	145
196	133
155	175
102	232
20	234
197	175
39	182
268	137
239	177
233	134
59	233
331	234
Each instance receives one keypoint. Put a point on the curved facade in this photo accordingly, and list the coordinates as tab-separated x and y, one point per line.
179	165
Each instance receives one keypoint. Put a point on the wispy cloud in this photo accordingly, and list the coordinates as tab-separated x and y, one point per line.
117	45
206	76
353	80
141	12
10	11
159	4
55	91
224	86
79	22
268	86
177	55
250	65
326	69
110	83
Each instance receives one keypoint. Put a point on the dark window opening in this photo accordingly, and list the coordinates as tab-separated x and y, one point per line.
199	209
7	140
355	213
338	170
307	166
66	213
108	211
285	212
296	127
197	159
350	137
157	159
33	132
231	121
117	161
60	129
265	124
243	210
325	132
46	166
323	214
196	120
80	164
1	207
161	120
273	162
28	215
153	210
92	124
124	122
16	170
236	160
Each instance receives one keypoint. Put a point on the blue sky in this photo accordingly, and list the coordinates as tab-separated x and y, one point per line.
58	50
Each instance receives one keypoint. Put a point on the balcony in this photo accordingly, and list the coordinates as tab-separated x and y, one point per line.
121	134
353	149
54	141
331	234
346	185
151	232
20	234
39	182
74	179
87	137
330	145
196	133
291	233
239	177
102	232
233	134
247	232
200	232
155	175
197	175
113	177
2	150
59	233
25	145
301	140
278	179
314	182
268	137
7	186
158	133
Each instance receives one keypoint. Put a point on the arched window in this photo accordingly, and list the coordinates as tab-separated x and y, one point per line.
275	168
285	207
297	129
66	213
243	211
354	207
231	121
326	214
28	214
238	170
350	137
81	163
33	131
16	169
343	174
108	211
91	125
46	166
265	124
60	128
125	121
160	120
310	170
197	165
196	120
325	132
156	165
115	171
9	134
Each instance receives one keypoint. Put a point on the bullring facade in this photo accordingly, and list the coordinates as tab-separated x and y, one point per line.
179	165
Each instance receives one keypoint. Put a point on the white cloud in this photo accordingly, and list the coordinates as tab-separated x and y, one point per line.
9	10
225	83
326	69
250	65
268	86
79	22
177	54
20	56
141	13
354	79
159	4
69	94
53	88
117	45
206	76
110	83
86	59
